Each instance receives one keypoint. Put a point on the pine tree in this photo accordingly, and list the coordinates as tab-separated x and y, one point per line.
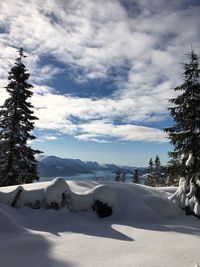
151	165
117	175
136	179
150	181
173	170
17	159
158	180
184	135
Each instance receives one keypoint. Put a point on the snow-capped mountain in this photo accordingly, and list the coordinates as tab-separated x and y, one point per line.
49	166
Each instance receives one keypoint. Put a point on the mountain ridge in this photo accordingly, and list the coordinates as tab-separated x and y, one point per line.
49	166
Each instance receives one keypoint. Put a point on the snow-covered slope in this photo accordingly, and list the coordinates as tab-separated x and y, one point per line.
146	229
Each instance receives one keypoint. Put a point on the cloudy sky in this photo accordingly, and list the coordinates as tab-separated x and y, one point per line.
103	72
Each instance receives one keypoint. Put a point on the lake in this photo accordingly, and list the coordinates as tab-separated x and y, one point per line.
96	176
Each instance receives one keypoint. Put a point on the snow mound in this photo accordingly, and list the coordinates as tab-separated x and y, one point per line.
147	204
35	197
84	201
8	197
142	204
57	194
129	202
57	191
31	198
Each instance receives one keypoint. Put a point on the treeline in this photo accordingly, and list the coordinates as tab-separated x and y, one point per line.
157	174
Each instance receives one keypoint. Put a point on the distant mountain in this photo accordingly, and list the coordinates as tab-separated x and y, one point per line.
49	166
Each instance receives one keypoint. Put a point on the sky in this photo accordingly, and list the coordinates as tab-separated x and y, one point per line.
103	72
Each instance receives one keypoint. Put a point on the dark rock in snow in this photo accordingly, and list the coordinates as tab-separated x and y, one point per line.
102	209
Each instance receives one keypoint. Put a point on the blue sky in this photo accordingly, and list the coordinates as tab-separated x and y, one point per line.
103	72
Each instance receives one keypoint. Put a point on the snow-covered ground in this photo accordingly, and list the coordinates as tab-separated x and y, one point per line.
146	229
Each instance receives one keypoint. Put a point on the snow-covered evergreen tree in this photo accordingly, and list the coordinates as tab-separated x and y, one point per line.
136	179
173	170
17	159
184	135
150	181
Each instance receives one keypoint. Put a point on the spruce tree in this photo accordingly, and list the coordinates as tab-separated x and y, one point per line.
136	179
151	165
172	172
157	164
17	159
150	181
184	135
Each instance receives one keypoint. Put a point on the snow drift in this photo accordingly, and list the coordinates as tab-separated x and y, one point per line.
145	228
59	193
8	226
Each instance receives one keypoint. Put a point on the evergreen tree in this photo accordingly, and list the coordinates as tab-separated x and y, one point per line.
184	135
158	179
136	179
150	181
173	170
151	165
117	175
17	159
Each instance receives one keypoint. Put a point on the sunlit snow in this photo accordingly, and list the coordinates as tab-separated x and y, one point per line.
145	229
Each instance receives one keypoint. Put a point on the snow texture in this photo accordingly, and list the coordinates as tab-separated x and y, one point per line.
146	228
8	226
179	197
186	200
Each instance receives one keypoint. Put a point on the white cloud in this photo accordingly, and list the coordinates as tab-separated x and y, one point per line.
121	132
47	138
149	38
92	137
96	35
55	112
